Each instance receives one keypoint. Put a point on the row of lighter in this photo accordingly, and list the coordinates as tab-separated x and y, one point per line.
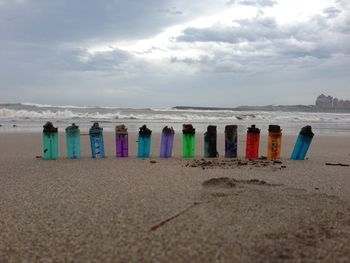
301	146
50	142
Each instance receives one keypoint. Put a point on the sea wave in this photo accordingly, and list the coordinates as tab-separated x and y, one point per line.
164	109
177	116
69	114
37	105
40	106
64	114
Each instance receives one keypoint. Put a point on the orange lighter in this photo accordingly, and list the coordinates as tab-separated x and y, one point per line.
274	142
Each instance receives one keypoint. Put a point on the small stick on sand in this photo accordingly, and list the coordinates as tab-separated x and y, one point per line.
337	164
155	226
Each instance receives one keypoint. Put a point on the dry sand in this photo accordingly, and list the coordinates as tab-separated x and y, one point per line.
102	210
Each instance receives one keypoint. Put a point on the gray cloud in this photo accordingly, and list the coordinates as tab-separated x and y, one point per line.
331	12
262	45
191	61
172	11
105	61
246	30
80	20
311	38
93	21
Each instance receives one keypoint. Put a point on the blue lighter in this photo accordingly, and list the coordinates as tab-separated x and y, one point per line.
302	144
144	142
96	141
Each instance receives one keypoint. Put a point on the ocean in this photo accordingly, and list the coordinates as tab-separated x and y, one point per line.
28	117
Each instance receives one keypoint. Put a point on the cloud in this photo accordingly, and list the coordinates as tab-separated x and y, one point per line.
261	44
172	11
152	52
92	21
331	12
104	61
307	36
73	21
244	30
258	3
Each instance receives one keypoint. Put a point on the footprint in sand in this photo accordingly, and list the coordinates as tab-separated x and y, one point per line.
226	182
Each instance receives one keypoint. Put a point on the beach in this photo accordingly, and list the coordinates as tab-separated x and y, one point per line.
219	210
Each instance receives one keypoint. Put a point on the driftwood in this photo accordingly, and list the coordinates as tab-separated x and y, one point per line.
337	164
155	226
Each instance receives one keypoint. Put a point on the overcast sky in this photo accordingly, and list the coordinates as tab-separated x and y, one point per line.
159	53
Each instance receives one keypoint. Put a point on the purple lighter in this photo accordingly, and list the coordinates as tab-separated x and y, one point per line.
166	145
121	141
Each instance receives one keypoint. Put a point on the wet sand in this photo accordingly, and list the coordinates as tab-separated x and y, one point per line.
103	210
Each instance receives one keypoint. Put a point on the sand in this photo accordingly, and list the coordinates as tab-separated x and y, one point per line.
103	210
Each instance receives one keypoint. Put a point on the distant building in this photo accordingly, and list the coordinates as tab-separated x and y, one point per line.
324	102
347	104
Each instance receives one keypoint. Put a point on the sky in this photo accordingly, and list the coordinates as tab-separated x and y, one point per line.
163	53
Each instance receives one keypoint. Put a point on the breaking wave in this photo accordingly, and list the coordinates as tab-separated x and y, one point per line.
69	114
30	117
166	115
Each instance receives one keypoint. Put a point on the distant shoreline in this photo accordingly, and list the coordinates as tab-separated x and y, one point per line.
286	108
268	108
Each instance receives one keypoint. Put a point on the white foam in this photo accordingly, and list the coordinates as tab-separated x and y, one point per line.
53	106
47	114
